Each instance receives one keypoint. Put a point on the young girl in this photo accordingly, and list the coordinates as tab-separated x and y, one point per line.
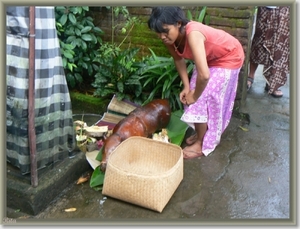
209	95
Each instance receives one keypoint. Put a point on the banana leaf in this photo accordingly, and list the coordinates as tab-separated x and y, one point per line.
97	179
176	128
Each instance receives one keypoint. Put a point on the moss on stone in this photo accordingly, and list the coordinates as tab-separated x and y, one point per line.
83	103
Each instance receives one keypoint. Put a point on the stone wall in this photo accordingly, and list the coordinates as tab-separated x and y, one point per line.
236	20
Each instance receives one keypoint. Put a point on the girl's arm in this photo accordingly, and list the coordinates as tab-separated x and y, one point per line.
182	71
196	42
180	66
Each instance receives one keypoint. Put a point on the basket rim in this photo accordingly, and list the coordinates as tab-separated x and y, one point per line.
166	173
150	140
162	174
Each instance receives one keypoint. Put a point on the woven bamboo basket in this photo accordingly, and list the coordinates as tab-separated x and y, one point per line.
144	172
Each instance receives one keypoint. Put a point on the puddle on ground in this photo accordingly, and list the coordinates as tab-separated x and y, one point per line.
89	119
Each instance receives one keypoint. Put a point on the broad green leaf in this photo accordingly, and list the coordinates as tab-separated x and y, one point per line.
70	39
189	15
60	8
207	20
68	54
72	18
87	37
202	14
86	29
86	59
76	10
78	77
177	128
83	45
65	62
97	178
84	65
70	67
63	19
98	30
120	86
99	155
77	32
76	42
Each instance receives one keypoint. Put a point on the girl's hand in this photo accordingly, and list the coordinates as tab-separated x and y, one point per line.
189	98
182	95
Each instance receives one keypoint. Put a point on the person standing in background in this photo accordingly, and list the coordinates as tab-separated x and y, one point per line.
271	48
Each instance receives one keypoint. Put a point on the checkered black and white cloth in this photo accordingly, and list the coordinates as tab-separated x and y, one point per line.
53	113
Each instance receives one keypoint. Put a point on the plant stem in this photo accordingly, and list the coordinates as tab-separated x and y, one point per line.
126	36
112	25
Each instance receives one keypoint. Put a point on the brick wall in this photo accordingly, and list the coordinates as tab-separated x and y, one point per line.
236	20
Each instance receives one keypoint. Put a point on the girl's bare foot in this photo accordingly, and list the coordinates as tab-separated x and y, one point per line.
191	139
193	151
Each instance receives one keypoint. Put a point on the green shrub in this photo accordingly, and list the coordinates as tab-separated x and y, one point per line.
118	73
79	40
161	79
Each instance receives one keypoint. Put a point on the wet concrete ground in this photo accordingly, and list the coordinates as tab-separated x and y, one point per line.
247	178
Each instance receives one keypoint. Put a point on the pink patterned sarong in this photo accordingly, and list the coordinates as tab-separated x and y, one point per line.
214	106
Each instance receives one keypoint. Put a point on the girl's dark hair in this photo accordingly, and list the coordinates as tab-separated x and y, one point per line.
166	15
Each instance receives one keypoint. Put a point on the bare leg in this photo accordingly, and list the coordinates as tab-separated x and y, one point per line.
252	70
191	139
253	67
195	150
